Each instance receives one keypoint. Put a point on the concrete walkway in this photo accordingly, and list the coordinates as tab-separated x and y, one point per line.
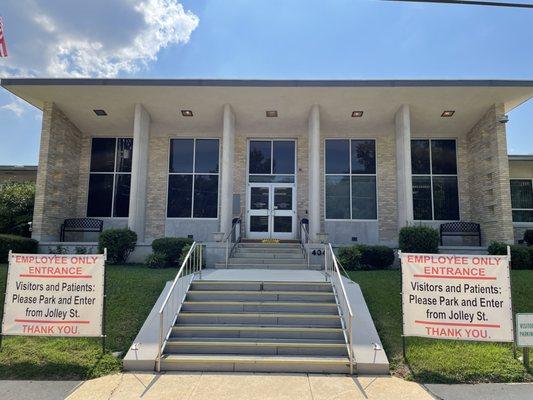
36	390
483	391
245	386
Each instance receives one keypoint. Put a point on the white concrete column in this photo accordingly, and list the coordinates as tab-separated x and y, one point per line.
314	172
226	180
139	171
403	165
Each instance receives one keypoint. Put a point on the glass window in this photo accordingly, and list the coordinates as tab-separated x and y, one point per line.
422	198
206	157
522	200
283	157
110	177
420	157
445	198
337	156
260	160
351	191
181	155
103	155
193	189
100	195
337	197
435	188
363	157
364	204
443	158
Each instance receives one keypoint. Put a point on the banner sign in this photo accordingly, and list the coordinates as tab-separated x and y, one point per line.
524	330
54	295
462	297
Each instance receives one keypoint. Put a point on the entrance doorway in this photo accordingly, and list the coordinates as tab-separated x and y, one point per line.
271	189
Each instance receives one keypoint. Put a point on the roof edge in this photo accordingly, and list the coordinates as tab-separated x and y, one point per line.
263	82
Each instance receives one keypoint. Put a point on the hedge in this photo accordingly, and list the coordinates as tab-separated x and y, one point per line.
120	242
366	257
17	244
419	239
171	248
521	256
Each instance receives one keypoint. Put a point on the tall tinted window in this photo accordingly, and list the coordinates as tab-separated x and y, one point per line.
435	188
110	177
271	161
522	200
193	178
350	179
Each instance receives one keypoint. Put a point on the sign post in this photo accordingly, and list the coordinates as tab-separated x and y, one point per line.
55	295
524	335
460	297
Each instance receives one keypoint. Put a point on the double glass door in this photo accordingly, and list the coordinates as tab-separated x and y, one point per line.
271	211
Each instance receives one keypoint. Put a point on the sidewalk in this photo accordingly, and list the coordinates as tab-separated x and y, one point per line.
245	386
483	391
36	390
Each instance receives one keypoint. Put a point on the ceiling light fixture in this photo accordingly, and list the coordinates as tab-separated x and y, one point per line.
186	113
447	113
357	114
272	114
100	113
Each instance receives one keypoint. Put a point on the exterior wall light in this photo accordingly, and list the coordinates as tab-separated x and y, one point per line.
447	113
357	114
100	113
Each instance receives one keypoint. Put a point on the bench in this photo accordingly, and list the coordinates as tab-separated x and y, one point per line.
80	225
460	229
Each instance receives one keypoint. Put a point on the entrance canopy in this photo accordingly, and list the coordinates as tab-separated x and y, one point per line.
250	99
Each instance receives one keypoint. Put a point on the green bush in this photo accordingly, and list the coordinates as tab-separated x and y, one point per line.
156	261
521	256
17	244
350	258
171	248
419	239
16	207
365	257
528	237
184	254
120	242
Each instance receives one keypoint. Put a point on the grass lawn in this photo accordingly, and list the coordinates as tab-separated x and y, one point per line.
443	361
131	293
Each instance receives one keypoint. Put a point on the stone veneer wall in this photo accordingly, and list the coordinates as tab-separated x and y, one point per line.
57	183
488	177
386	188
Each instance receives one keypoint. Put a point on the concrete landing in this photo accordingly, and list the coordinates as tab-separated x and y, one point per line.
262	275
245	386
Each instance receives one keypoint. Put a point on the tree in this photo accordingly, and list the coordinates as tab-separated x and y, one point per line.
16	207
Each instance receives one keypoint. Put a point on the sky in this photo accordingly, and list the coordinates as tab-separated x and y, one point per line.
308	39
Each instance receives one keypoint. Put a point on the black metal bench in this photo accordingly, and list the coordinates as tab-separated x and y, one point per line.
81	225
460	229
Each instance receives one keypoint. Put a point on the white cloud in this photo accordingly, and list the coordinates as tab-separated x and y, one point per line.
16	107
87	40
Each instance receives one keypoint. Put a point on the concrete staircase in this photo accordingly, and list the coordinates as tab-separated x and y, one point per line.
258	326
254	255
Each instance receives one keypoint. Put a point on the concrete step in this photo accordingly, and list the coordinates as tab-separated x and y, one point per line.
271	260
247	295
258	285
274	246
260	306
254	265
268	255
268	250
258	318
234	363
256	331
256	346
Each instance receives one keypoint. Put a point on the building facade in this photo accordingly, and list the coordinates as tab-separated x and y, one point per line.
355	160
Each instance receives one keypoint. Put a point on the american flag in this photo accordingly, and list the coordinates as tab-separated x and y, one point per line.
3	46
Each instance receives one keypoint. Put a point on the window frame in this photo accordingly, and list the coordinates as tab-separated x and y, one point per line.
350	175
431	175
271	140
520	223
193	174
114	173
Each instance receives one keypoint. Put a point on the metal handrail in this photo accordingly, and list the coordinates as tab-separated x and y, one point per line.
304	239
346	322
175	296
229	236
